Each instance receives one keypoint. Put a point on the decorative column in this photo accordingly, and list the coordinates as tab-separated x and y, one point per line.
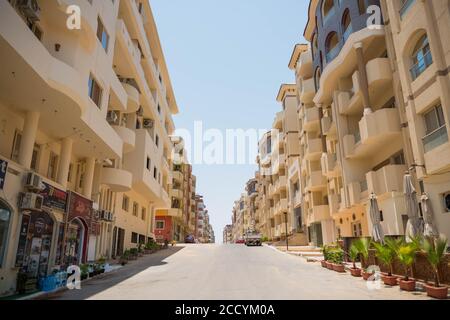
30	127
64	163
88	177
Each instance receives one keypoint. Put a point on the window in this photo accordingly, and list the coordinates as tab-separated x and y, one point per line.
446	205
159	109
134	237
346	25
149	164
102	35
69	174
160	224
95	91
143	214
157	140
405	5
332	46
135	209
315	45
436	132
317	78
421	57
155	173
125	203
16	146
5	216
35	157
52	166
362	7
328	10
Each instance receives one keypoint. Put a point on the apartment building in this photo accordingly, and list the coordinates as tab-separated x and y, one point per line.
417	43
176	222
203	230
227	234
85	118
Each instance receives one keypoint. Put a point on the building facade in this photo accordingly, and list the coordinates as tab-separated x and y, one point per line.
85	119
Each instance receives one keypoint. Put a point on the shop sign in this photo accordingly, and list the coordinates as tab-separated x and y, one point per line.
54	197
80	207
3	168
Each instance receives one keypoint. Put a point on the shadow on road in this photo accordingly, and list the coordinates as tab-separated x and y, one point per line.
101	283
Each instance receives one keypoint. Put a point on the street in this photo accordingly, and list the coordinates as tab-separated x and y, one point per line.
228	272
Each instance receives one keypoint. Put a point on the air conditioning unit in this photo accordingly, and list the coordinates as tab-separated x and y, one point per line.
97	214
140	112
111	217
112	117
30	9
148	123
31	200
33	182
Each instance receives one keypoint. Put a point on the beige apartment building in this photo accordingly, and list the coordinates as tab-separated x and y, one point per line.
85	119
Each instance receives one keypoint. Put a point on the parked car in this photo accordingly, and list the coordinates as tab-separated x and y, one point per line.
189	239
253	239
240	241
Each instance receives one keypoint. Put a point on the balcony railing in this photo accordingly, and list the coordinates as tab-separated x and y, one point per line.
406	6
424	62
333	53
329	15
435	139
347	33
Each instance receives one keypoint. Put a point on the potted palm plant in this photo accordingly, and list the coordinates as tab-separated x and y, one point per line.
386	254
325	252
353	254
338	260
406	254
363	247
435	252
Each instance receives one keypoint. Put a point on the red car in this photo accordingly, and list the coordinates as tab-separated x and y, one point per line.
240	241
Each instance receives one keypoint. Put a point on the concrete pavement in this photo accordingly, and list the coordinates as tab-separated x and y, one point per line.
225	272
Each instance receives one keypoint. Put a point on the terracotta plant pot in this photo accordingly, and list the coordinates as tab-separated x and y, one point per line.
338	268
329	265
356	272
437	293
407	285
366	275
389	280
323	263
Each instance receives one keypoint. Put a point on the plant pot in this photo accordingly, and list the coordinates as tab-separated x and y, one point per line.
436	292
389	280
338	267
407	285
329	265
366	275
323	263
356	272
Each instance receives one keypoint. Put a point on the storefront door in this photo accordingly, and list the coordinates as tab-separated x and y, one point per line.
75	242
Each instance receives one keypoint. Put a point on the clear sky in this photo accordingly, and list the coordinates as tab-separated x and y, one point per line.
227	59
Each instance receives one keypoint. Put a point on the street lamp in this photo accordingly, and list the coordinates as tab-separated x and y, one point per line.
287	241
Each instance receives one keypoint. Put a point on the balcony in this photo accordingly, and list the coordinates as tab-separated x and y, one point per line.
311	119
117	179
316	181
178	175
278	122
128	137
308	90
136	24
328	126
281	183
330	166
133	102
354	191
379	76
281	207
314	149
176	193
437	151
387	179
305	64
375	130
318	213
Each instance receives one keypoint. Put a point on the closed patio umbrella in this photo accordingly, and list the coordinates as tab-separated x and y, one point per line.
412	208
375	216
429	229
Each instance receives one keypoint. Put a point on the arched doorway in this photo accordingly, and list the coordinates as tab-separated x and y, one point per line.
76	239
35	243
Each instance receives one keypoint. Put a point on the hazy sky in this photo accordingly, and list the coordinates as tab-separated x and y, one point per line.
227	59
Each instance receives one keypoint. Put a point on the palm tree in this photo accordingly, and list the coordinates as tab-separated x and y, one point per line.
362	245
353	253
435	251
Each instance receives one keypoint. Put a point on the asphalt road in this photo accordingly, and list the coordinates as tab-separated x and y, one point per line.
226	272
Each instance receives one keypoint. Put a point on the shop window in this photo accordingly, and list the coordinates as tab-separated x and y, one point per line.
5	217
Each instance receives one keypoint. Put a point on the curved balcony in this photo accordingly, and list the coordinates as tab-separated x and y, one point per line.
128	137
387	179
316	181
133	102
305	65
117	179
308	90
314	149
311	119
